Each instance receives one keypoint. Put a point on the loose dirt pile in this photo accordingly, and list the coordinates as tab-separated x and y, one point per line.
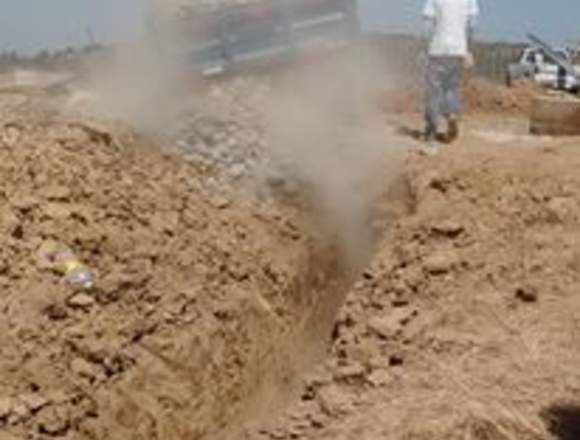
197	298
465	325
479	96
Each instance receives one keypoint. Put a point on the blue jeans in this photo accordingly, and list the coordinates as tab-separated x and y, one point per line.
443	90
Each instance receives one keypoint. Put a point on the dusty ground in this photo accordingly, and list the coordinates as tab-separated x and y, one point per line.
464	324
479	96
198	298
208	308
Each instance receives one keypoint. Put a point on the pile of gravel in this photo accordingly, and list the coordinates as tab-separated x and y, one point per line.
224	128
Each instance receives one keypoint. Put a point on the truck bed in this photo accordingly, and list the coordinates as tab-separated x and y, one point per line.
263	32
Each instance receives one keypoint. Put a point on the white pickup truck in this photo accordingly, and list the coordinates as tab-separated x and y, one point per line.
538	66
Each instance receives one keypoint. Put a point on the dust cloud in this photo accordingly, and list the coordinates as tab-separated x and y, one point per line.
325	130
321	121
141	82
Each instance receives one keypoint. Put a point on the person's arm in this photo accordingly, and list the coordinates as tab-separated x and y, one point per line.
472	16
429	18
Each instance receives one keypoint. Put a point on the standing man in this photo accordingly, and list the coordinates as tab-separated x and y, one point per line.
450	25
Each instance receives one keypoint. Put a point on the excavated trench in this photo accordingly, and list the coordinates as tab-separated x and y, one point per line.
224	379
206	313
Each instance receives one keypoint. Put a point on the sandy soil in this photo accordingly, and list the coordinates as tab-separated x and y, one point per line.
479	96
463	326
198	298
209	309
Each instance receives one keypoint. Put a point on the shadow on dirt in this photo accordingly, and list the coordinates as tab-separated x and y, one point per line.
563	421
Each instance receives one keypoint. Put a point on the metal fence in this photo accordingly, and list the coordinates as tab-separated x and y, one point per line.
402	56
492	59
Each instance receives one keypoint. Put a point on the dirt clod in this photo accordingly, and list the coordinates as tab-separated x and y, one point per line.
83	368
53	421
6	407
81	301
34	401
441	262
379	378
448	228
334	401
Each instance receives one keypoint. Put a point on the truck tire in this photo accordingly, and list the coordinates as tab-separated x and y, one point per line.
557	115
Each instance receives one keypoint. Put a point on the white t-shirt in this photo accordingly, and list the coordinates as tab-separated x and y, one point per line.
451	20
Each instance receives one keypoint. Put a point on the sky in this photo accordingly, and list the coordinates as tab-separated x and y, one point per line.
31	25
558	21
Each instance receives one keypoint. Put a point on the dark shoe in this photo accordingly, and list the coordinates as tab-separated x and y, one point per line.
429	147
429	136
452	129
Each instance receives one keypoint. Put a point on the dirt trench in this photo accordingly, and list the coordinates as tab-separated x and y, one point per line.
463	325
206	311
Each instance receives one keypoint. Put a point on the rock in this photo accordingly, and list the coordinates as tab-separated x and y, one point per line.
392	324
528	294
58	397
318	378
277	434
401	298
9	222
363	350
561	208
303	410
237	171
220	202
46	252
11	135
56	312
81	301
298	428
448	228
334	401
379	378
24	202
354	371
57	192
20	412
57	211
317	419
441	262
382	327
6	407
53	421
83	368
34	401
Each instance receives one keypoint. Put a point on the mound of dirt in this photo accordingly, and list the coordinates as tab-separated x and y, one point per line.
197	302
465	325
479	96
